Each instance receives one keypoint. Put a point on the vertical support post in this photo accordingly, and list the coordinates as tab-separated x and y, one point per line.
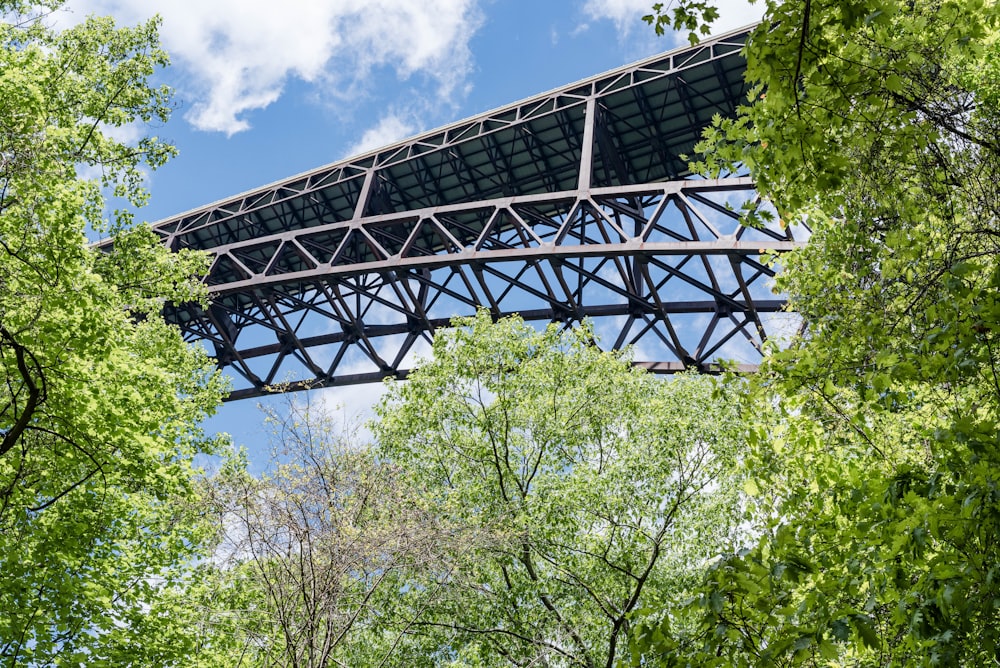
587	154
366	187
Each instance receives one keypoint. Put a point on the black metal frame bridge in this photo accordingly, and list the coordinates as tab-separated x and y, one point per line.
573	204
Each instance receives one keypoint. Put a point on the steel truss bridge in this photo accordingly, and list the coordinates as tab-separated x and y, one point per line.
573	204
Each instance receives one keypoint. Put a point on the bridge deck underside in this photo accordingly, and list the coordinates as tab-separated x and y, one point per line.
574	204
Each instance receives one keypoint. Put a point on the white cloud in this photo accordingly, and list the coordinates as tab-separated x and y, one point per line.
388	130
355	404
239	54
627	15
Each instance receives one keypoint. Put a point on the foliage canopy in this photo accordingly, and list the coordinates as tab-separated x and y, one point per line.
592	490
876	122
100	399
310	555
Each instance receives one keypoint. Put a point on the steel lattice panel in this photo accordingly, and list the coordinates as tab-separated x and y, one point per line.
573	204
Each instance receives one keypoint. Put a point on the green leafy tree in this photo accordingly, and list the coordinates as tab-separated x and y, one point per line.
876	454
100	399
310	554
590	491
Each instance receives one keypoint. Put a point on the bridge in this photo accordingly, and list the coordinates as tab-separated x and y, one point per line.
573	204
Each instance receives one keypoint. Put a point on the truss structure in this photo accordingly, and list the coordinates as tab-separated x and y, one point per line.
573	204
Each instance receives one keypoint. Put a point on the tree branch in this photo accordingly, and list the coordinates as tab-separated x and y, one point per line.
36	394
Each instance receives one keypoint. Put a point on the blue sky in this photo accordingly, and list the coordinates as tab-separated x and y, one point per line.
265	91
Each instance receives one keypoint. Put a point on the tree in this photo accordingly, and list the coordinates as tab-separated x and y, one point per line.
695	16
310	553
592	491
878	123
100	399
